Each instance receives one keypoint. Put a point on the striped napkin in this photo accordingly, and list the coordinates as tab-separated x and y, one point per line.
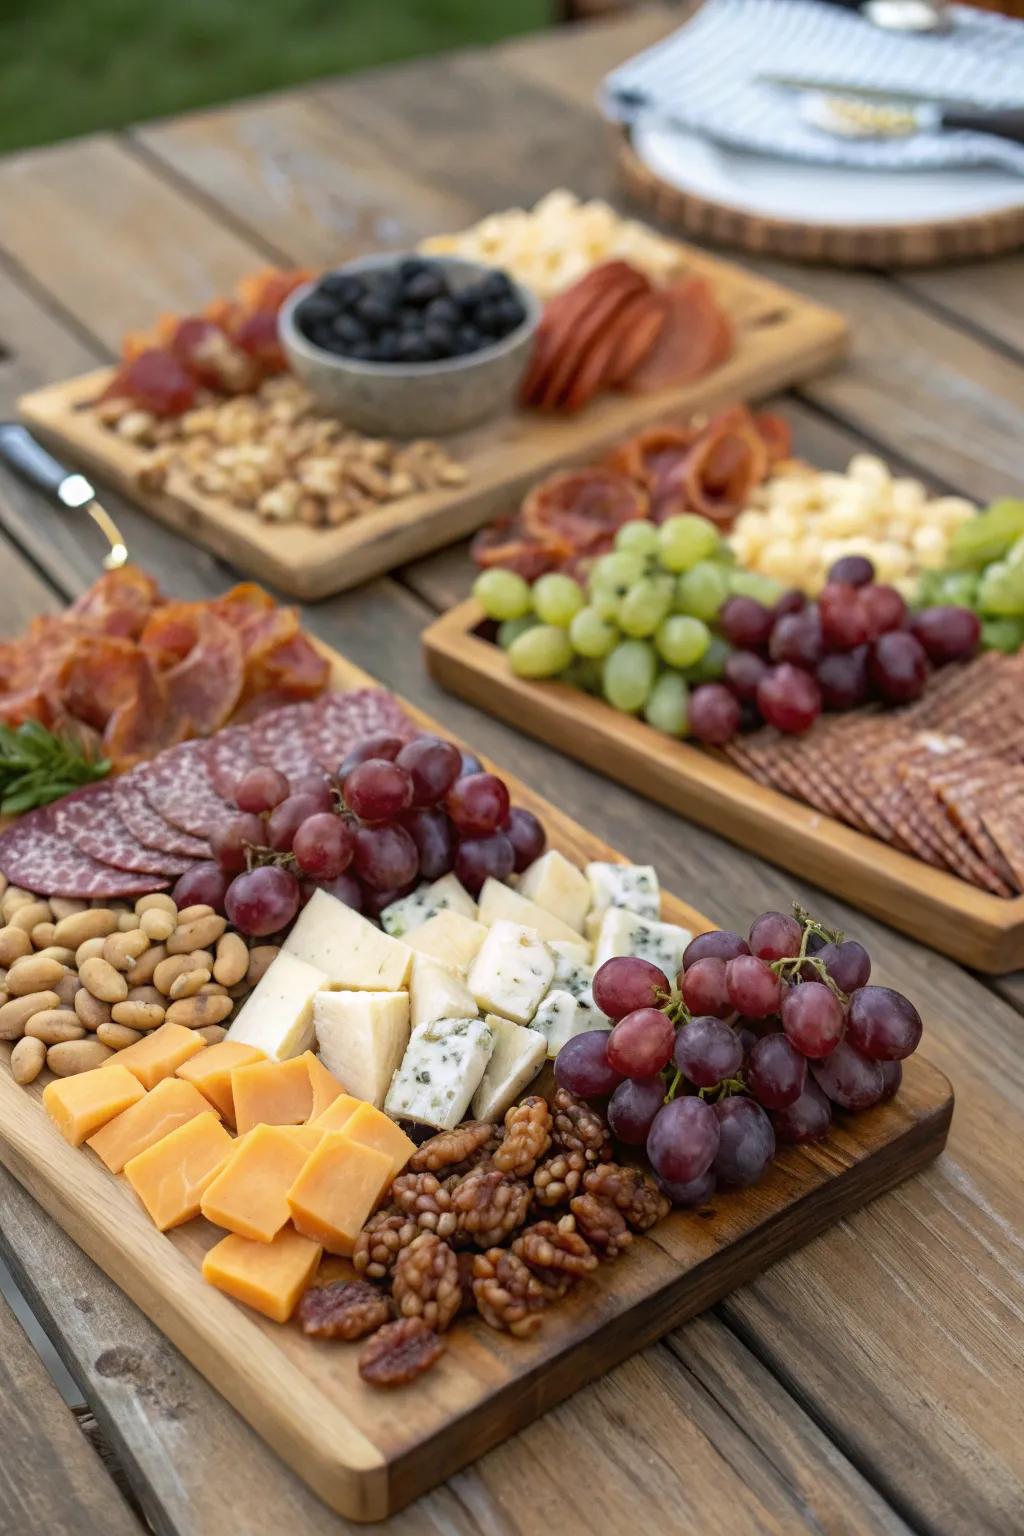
702	79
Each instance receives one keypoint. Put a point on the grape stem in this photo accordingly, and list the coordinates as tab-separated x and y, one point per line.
677	1078
811	925
723	1090
672	1005
790	968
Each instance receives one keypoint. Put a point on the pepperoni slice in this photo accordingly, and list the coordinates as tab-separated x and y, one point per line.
582	506
776	434
564	313
617	350
694	338
206	685
724	465
580	333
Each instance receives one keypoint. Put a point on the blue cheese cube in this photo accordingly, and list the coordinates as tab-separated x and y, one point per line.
445	895
627	933
560	1016
517	1057
634	886
440	1072
573	971
556	885
511	973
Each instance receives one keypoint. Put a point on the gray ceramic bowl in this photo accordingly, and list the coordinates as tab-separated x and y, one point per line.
413	399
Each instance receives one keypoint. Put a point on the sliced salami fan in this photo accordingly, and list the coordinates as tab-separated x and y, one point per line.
284	739
35	857
228	755
178	787
89	818
144	823
342	719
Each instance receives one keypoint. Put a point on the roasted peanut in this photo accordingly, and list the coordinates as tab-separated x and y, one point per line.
58	952
13	898
168	971
146	995
27	1060
117	1036
141	973
94	923
32	913
213	1034
212	989
158	901
205	930
157	924
90	1011
137	1015
103	981
232	960
194	1012
14	942
188	915
74	1056
68	988
259	962
14	1015
33	973
188	984
122	950
89	949
42	934
66	906
128	922
53	1025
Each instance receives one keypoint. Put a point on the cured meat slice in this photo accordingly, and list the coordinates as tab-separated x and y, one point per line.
151	829
179	789
616	350
724	465
206	685
561	315
695	337
118	602
581	333
34	856
284	739
583	506
228	755
342	719
89	818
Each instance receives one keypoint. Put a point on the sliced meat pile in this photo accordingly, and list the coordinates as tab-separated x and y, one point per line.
139	832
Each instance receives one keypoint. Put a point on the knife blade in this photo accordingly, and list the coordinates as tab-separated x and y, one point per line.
36	465
871	93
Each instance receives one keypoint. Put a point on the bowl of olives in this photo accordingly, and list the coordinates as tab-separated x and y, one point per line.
411	346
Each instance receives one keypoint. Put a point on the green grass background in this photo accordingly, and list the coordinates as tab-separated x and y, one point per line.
73	66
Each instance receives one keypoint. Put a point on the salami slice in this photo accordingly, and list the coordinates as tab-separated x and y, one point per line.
284	739
228	755
342	719
90	820
34	856
179	789
151	829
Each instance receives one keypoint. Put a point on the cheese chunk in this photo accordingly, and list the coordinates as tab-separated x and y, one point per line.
499	903
558	886
250	1194
277	1016
170	1176
337	1115
440	1072
512	972
445	895
560	1016
435	992
634	886
272	1093
517	1057
450	938
573	971
326	1087
624	933
211	1070
157	1055
351	951
373	1128
362	1037
339	1187
80	1105
170	1104
269	1277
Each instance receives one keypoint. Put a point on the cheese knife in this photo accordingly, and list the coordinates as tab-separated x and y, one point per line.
36	465
893	113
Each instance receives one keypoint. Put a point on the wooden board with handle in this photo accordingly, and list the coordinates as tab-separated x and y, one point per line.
367	1453
781	339
970	925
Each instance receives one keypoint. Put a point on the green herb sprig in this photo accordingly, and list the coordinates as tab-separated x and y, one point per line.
38	766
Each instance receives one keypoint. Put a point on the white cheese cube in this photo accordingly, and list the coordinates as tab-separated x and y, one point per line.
573	971
435	992
351	950
558	886
517	1057
512	972
277	1016
626	933
446	894
450	938
499	903
634	886
560	1016
440	1072
362	1038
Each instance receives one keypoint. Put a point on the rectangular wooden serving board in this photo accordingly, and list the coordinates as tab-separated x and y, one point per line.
366	1452
781	338
953	916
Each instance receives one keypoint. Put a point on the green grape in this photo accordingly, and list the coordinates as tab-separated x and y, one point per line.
591	634
711	665
988	536
681	640
685	539
1002	635
556	598
542	651
628	675
751	584
502	594
667	707
583	673
511	629
645	605
639	536
1001	591
960	587
605	602
1015	553
619	569
702	590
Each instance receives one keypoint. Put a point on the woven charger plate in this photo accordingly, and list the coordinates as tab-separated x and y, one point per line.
982	211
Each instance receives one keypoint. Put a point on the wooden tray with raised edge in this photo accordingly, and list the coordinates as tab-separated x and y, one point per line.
953	916
781	338
367	1452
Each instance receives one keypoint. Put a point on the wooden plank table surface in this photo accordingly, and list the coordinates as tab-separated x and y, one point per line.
870	1383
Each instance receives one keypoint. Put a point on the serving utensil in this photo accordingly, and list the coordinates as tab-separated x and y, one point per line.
864	111
36	465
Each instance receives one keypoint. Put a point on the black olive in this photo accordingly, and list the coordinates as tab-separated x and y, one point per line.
470	296
375	311
424	287
439	338
348	329
413	348
409	319
469	338
362	351
496	286
314	310
512	314
411	267
323	336
344	287
387	346
443	311
489	319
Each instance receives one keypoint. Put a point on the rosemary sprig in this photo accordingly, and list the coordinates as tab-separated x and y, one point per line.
38	766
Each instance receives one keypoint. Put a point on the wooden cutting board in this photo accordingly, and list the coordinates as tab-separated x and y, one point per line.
367	1453
974	927
781	338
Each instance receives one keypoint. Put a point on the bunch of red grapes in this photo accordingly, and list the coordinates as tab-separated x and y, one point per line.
856	642
395	813
762	1040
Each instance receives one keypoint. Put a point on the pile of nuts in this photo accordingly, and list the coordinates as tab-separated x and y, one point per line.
271	453
79	982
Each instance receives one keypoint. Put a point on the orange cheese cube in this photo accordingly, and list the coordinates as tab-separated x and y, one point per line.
269	1277
337	1190
335	1115
169	1105
326	1088
372	1128
158	1055
272	1093
211	1070
308	1136
170	1177
250	1194
80	1105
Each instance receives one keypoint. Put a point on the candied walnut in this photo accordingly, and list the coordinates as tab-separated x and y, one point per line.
465	1262
399	1352
602	1225
426	1282
451	1150
381	1241
489	1205
508	1295
428	1200
556	1253
631	1191
578	1127
346	1309
558	1178
527	1137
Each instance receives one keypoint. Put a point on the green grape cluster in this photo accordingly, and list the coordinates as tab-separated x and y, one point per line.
640	631
985	571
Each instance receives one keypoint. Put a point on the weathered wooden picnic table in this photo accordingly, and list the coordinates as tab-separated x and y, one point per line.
873	1381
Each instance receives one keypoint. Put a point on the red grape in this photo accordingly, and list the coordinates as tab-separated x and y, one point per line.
204	884
382	745
708	1051
746	1142
693	1192
434	836
484	858
753	989
842	677
849	1079
714	714
470	764
641	1043
898	667
632	1108
789	699
844	623
776	1072
478	804
947	633
263	901
806	1119
813	1018
883	1024
378	790
848	963
796	638
527	836
683	1140
260	789
323	845
232	839
892	1076
853	570
583	1067
742	672
385	856
884	607
775	936
719	944
625	983
705	988
316	784
286	818
347	889
432	765
793	601
745	623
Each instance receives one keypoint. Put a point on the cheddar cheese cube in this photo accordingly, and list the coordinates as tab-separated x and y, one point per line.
169	1105
335	1115
271	1093
307	1136
371	1128
269	1277
250	1194
157	1055
170	1176
325	1086
211	1070
80	1105
337	1190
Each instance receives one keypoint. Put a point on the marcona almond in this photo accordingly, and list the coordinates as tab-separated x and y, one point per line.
117	1036
232	960
170	969
136	1015
122	950
103	981
42	934
157	901
194	1012
188	984
66	906
14	942
27	1060
213	1034
141	973
91	1012
88	950
188	915
13	898
34	973
205	930
94	923
74	1056
59	952
32	913
53	1025
14	1015
212	989
128	922
157	924
68	988
260	959
146	995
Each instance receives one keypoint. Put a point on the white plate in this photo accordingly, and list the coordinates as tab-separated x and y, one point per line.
822	194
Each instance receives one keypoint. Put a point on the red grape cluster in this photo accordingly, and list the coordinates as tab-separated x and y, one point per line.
759	1042
856	642
395	813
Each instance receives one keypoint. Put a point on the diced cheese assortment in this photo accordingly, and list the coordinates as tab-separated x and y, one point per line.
440	1072
348	948
362	1037
435	992
634	886
512	972
444	895
277	1016
450	938
499	902
556	885
624	933
517	1056
560	1016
